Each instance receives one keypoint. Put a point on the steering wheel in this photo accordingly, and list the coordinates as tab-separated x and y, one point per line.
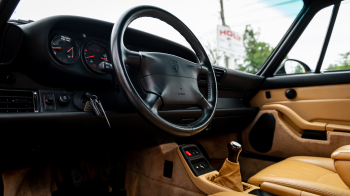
165	78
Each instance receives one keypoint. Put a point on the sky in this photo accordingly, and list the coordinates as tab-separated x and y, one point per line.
271	17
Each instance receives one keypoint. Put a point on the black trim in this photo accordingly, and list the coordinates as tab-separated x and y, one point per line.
315	135
168	169
7	7
261	157
259	192
312	79
328	36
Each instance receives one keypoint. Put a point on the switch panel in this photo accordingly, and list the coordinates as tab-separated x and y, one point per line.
195	160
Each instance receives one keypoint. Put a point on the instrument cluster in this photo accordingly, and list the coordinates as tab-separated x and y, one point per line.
66	51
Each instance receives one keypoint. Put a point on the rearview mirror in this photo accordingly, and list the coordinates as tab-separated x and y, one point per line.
292	66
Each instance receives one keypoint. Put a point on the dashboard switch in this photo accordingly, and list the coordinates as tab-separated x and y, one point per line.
64	99
188	153
49	103
49	100
105	67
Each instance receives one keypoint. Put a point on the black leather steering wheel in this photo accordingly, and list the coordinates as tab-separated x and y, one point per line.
167	79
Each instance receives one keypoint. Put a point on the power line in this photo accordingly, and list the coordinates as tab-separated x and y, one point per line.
254	22
268	19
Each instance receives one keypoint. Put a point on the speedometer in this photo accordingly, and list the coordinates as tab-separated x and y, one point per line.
65	49
94	53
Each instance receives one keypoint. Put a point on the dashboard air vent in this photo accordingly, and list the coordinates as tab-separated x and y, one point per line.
15	101
219	74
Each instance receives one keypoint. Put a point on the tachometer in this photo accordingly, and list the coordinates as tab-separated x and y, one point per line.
94	53
65	49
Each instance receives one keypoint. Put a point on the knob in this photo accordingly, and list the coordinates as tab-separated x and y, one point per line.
49	100
291	94
234	148
64	99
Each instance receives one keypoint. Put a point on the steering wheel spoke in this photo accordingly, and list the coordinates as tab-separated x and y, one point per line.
204	105
131	58
154	102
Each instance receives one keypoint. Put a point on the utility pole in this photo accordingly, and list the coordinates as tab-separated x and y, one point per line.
224	24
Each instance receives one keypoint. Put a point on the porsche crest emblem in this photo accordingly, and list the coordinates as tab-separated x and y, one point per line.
174	65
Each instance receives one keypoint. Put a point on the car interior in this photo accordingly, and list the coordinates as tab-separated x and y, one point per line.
89	107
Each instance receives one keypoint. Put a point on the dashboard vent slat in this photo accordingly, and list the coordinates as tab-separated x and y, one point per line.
15	101
219	74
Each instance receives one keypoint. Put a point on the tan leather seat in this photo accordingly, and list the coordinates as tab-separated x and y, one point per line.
312	174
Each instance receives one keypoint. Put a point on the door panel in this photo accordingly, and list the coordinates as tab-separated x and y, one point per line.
288	141
317	108
326	104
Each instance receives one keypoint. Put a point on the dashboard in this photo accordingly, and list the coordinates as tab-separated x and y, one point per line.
57	58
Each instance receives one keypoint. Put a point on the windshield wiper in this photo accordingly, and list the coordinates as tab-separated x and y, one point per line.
19	21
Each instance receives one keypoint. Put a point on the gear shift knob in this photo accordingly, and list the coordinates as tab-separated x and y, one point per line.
234	148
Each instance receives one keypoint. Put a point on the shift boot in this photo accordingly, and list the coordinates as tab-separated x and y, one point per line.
230	173
230	176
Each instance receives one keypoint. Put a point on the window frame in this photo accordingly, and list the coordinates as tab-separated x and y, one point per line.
311	8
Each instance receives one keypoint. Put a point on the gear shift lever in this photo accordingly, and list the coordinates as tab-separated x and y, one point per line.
230	175
234	149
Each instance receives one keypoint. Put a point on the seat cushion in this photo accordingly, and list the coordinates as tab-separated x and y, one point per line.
326	163
303	175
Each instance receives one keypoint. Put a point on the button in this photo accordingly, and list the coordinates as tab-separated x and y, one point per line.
188	153
201	166
197	168
64	99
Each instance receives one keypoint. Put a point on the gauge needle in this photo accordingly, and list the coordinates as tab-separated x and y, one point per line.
57	48
104	59
70	49
90	57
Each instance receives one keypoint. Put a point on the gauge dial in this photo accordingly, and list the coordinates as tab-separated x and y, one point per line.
94	53
65	49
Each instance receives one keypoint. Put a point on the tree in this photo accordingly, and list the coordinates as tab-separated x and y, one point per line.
344	64
214	54
256	52
299	69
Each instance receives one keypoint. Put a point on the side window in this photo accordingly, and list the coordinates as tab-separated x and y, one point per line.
338	52
304	55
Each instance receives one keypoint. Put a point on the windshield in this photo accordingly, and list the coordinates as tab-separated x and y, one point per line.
236	34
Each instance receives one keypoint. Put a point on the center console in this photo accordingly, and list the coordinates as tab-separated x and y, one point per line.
205	177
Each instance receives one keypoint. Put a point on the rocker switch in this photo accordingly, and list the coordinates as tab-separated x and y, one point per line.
49	102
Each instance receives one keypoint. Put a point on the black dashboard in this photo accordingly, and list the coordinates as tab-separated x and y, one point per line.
29	63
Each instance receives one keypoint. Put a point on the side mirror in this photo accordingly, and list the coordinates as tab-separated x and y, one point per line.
292	66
